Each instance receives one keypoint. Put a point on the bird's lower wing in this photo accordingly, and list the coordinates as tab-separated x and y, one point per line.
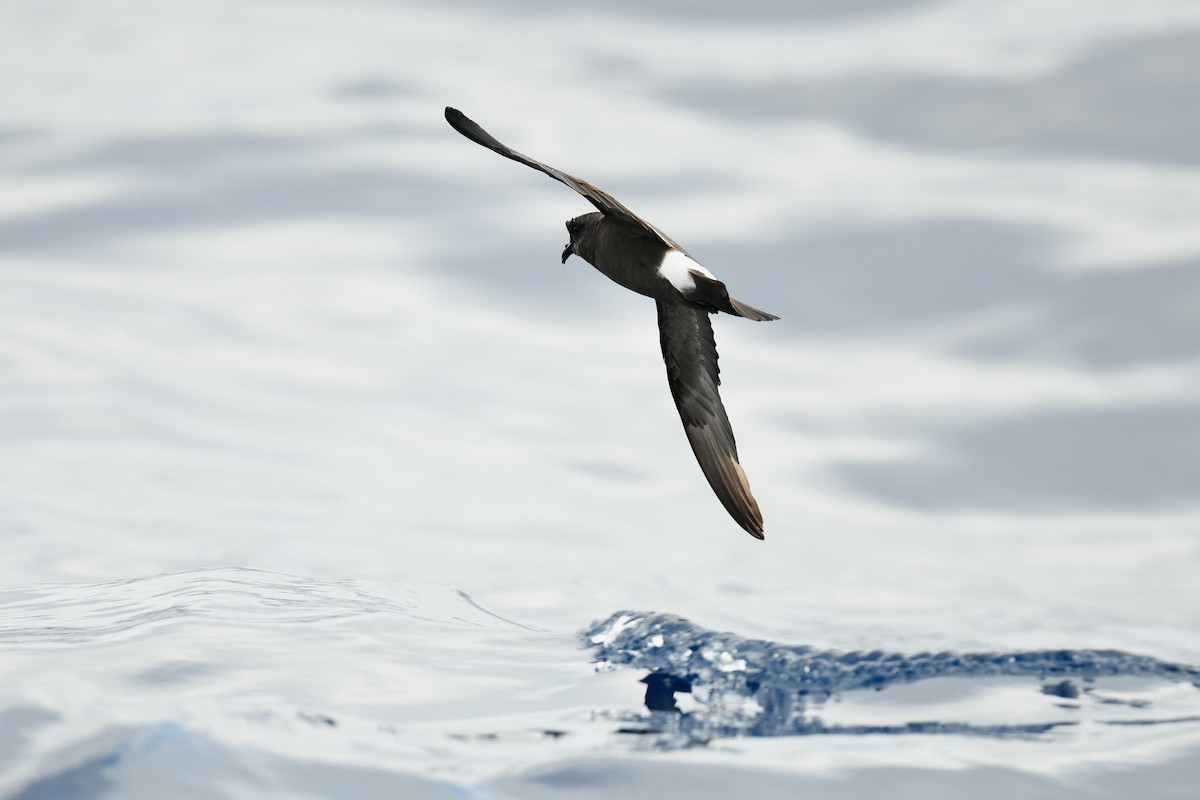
602	200
690	353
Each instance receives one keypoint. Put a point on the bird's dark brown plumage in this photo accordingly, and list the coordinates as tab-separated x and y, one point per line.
634	253
690	353
604	202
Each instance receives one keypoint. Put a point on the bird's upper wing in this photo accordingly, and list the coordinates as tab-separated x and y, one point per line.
690	353
602	200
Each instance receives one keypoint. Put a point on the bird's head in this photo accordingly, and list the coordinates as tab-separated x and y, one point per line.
580	230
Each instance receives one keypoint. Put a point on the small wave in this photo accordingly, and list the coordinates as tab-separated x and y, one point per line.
65	614
756	687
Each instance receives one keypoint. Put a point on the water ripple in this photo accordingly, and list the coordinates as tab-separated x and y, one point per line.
64	614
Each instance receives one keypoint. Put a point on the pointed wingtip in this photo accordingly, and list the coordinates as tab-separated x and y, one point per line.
718	461
751	518
456	118
468	127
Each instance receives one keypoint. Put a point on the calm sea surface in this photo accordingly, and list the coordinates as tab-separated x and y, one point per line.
321	476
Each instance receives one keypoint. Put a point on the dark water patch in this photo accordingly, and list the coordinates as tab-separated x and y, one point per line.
897	279
233	199
86	780
9	136
880	279
373	88
1107	319
168	760
691	12
1142	458
172	157
1132	99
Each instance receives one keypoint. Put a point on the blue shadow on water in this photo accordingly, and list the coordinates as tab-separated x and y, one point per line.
754	687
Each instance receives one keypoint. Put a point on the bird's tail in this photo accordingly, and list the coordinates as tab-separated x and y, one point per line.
750	312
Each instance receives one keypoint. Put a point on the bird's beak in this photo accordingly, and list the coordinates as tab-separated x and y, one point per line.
568	251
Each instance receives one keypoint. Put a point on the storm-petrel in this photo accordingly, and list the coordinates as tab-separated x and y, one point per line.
639	256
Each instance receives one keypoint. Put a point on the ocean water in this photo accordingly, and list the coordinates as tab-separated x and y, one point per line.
320	476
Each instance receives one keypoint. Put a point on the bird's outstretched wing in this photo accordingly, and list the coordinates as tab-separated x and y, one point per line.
602	200
690	353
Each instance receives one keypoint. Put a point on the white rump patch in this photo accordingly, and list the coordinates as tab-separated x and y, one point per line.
678	268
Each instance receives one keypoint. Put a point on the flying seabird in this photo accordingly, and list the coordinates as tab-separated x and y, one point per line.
640	257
